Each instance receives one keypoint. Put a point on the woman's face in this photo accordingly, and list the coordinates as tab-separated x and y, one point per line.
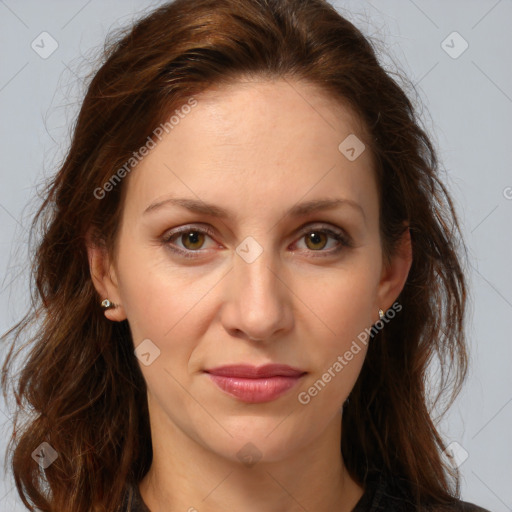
255	277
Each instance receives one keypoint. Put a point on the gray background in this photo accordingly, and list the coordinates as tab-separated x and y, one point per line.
466	103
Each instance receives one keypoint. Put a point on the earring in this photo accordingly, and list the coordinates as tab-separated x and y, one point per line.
381	314
106	304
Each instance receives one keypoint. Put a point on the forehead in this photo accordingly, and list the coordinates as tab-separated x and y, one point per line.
267	107
256	140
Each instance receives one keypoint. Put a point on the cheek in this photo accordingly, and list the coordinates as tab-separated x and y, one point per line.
160	299
342	302
343	309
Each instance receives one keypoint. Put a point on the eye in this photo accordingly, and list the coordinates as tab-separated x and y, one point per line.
191	238
317	239
188	241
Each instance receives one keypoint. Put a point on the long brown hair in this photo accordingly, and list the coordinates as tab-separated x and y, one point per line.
81	386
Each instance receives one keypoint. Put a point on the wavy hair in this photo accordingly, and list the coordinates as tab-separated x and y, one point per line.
80	385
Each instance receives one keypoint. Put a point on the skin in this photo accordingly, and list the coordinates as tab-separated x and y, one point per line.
257	149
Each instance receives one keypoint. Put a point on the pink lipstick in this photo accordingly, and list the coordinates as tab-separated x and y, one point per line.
253	384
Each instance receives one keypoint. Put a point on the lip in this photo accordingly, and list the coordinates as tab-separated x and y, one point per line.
253	384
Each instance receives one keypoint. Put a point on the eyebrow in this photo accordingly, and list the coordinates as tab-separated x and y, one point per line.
198	206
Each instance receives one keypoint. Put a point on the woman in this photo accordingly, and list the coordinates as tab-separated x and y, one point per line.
247	263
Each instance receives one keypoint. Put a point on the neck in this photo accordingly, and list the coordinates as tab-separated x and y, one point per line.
186	476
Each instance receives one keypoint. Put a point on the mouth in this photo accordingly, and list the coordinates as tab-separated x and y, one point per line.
251	384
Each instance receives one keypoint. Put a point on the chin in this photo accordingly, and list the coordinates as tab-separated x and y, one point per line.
257	440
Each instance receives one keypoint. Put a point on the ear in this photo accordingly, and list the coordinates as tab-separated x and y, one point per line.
394	272
104	278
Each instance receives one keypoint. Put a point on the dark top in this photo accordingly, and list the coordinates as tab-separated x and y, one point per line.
381	495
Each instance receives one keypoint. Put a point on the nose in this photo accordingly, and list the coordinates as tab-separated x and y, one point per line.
258	303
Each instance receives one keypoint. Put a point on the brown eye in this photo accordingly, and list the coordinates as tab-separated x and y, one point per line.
192	240
316	240
189	242
323	241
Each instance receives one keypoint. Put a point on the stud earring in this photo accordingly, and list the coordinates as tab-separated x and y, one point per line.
381	314
106	304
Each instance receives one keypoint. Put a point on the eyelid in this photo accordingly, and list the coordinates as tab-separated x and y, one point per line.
343	238
321	226
203	228
333	231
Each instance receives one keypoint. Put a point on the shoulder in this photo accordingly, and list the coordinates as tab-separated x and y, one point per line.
132	500
463	506
385	493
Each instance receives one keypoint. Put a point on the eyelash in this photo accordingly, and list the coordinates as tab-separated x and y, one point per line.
343	240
